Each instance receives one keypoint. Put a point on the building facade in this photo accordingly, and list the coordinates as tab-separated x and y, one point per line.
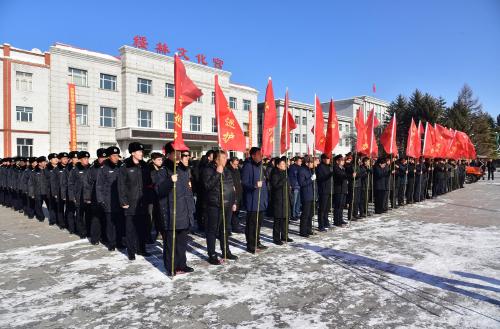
119	99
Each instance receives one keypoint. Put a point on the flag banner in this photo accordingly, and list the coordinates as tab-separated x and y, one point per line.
269	121
287	125
319	127
332	130
411	148
443	139
372	123
388	137
230	134
72	117
429	150
361	136
418	139
185	92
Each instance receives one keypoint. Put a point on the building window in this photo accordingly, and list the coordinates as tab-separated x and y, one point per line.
247	105
169	90
24	114
195	123
25	147
144	86
199	99
82	146
107	117
340	142
81	114
340	127
296	138
24	81
213	98
232	103
169	121
214	125
144	118
108	82
246	126
304	121
78	77
347	128
297	119
105	145
304	138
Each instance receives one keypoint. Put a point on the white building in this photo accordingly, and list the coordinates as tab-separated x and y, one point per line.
119	99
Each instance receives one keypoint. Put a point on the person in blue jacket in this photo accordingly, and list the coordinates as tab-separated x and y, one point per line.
294	184
306	179
254	182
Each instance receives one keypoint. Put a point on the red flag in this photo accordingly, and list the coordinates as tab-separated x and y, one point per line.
287	125
429	150
269	121
319	128
230	135
374	88
185	92
361	137
471	150
411	148
388	137
453	149
418	139
371	124
443	139
332	130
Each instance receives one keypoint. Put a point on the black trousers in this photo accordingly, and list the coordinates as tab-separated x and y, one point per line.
96	223
306	218
252	228
82	218
410	190
70	213
491	174
112	219
379	201
7	198
235	221
180	250
324	209
358	202
386	201
135	233
362	203
38	209
280	229
214	229
61	221
52	207
338	208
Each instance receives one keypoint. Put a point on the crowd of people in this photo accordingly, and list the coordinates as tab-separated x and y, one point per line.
128	203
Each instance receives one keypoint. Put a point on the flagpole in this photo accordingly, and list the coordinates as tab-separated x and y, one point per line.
285	113
423	150
314	162
393	164
222	174
175	190
372	133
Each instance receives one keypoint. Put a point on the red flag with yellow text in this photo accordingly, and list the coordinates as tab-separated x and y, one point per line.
269	120
332	130
287	125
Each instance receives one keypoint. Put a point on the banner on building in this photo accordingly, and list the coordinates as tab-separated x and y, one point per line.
72	117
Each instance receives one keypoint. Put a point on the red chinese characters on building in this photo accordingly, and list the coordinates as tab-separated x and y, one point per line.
182	53
162	48
201	59
218	63
140	42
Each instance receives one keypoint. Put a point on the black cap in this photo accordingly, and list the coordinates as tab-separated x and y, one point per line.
83	154
338	157
42	158
62	155
112	150
169	147
325	156
254	150
52	156
101	153
73	154
135	146
156	155
32	159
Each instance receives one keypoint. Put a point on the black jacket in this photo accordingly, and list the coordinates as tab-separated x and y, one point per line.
38	184
132	178
339	180
107	187
324	178
212	182
64	184
280	191
55	181
380	177
89	185
235	173
76	182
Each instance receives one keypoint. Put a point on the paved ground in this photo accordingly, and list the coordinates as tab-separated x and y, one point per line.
433	265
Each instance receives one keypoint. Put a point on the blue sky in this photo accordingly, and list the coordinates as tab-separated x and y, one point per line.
334	48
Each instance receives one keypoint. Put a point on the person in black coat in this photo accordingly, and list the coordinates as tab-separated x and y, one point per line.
70	206
410	181
281	198
55	188
340	190
201	206
359	200
401	173
221	202
233	166
490	165
38	187
76	180
381	174
97	219
306	179
133	176
179	225
461	173
154	166
324	175
107	197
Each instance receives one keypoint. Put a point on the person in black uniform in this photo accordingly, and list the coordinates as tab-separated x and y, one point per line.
38	187
461	173
233	166
281	197
401	173
220	204
23	187
490	165
30	205
324	175
154	165
57	191
199	189
359	195
179	225
107	196
76	180
50	201
306	180
69	205
364	173
339	190
381	174
132	177
410	181
97	217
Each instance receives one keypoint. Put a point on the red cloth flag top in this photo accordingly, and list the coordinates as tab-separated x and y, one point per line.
411	148
287	125
443	139
418	139
185	93
388	137
230	135
361	136
319	128
429	150
269	121
332	130
371	124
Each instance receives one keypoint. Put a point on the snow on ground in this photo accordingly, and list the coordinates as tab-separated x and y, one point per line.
433	265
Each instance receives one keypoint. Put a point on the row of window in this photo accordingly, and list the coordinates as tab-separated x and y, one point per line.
80	78
25	146
296	139
304	123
